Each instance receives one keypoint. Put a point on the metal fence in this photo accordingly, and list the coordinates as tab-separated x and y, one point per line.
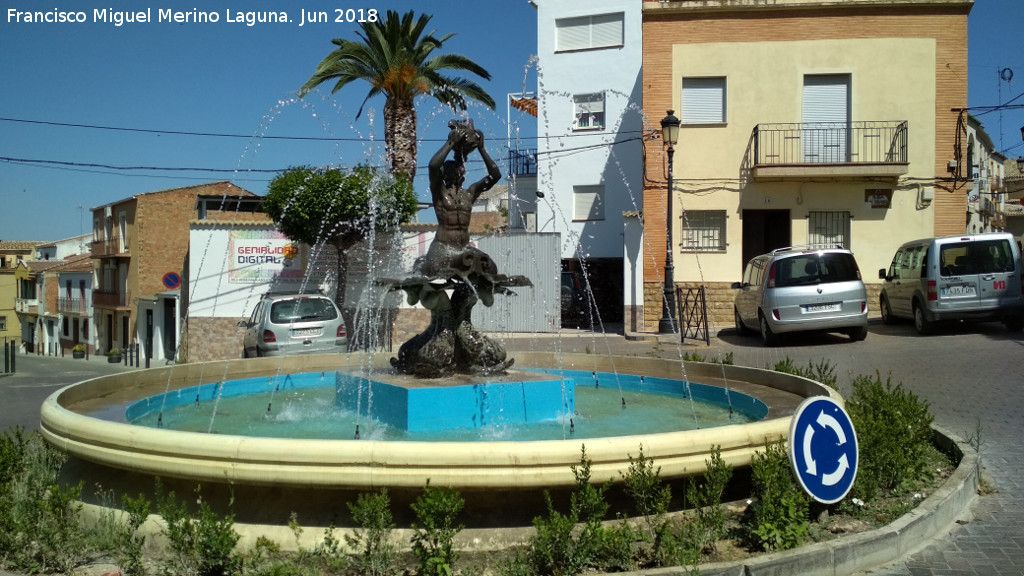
830	143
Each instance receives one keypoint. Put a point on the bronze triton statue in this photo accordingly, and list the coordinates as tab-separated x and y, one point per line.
451	343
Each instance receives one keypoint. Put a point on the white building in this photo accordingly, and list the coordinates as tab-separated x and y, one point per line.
590	131
985	181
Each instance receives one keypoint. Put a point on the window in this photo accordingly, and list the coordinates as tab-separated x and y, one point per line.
588	32
588	202
703	231
703	101
588	111
829	229
3	323
64	326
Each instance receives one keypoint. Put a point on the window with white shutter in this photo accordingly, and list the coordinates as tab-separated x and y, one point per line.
703	101
589	32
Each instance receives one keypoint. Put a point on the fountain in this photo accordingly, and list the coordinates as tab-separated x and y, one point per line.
269	478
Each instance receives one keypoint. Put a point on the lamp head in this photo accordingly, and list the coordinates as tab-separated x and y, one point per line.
670	129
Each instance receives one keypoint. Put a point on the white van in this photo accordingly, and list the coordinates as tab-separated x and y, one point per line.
970	277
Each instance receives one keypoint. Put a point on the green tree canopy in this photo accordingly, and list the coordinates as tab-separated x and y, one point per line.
328	205
395	57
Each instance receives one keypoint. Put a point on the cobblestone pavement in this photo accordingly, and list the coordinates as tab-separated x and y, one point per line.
972	376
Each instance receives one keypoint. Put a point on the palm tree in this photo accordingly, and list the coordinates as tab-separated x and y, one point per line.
394	56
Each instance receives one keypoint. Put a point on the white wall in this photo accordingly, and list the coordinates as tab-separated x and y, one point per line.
568	158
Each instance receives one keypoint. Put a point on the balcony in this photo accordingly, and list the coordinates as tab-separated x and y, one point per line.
523	162
26	305
110	299
828	150
114	246
74	306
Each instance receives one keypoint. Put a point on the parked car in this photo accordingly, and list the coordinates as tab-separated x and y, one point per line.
799	289
574	297
294	324
970	277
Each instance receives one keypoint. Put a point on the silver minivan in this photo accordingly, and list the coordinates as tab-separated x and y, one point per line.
802	289
284	324
969	277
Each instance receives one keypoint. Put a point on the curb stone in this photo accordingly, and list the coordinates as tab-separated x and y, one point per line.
851	554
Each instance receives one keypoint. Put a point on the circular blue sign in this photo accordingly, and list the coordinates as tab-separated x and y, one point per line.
172	280
823	449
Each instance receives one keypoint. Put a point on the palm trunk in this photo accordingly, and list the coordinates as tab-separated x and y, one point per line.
400	136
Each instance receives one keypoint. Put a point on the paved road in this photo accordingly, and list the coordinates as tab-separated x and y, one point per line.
973	378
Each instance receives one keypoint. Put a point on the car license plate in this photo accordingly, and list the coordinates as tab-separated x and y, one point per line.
299	332
958	290
834	307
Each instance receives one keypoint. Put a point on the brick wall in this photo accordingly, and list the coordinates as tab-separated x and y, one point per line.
209	339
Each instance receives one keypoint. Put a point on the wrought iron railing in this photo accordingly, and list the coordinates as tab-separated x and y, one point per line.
830	143
77	306
110	246
523	162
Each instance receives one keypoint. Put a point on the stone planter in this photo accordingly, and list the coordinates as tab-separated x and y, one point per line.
114	358
78	353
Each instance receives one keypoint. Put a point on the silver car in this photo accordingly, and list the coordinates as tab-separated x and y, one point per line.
294	324
799	289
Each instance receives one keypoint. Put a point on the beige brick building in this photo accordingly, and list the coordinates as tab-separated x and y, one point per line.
802	122
140	245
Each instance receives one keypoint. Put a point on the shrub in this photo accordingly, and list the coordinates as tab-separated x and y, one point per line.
893	434
375	552
40	523
823	372
705	495
651	499
778	517
203	544
433	540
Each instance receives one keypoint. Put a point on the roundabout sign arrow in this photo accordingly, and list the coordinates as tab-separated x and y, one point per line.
823	449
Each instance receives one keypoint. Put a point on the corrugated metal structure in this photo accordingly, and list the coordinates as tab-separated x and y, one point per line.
531	309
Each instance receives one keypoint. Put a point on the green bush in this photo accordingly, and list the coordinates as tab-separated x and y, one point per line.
651	499
894	435
823	372
778	517
40	522
202	544
375	551
433	540
705	495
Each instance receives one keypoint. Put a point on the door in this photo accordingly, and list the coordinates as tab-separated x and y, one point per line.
148	344
764	231
826	118
170	335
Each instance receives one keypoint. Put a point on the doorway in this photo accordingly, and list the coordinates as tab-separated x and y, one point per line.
764	231
170	332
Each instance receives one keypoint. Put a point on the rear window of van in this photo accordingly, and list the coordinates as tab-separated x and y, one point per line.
807	269
978	257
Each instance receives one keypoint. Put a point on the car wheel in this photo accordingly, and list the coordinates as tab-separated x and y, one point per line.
245	353
768	337
921	323
1015	325
857	334
740	328
887	316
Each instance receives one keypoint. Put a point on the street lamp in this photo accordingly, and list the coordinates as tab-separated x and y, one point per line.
667	324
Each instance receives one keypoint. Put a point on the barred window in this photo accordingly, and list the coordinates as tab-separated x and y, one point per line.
703	231
829	229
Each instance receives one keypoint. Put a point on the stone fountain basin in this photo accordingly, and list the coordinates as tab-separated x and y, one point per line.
369	465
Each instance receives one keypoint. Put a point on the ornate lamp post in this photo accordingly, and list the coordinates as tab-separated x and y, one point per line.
667	324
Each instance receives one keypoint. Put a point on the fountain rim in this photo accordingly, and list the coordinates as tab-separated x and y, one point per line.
368	464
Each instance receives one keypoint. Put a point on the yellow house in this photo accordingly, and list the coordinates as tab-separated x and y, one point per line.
11	255
801	122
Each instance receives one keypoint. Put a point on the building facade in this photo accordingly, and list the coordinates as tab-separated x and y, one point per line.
590	124
802	122
140	245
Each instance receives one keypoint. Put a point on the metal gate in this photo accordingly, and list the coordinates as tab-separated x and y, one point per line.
534	308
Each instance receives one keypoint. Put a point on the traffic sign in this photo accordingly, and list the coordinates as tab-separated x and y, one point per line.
823	449
171	280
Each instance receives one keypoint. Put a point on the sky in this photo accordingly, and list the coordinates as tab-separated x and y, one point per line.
93	112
